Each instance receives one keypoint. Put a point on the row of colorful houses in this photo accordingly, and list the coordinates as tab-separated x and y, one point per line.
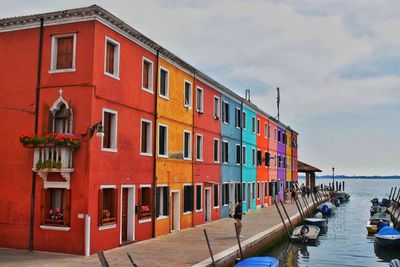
113	139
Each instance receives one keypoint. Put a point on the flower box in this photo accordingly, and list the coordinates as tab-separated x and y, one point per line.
145	215
55	222
50	140
108	221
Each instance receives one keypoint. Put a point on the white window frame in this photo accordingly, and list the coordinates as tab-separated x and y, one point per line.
253	157
150	89
189	145
240	154
201	197
223	109
257	158
114	225
115	129
201	148
188	105
54	50
238	119
217	110
150	141
147	219
253	124
160	217
222	149
166	96
265	130
201	110
244	120
218	154
183	190
275	135
213	190
244	162
117	53
258	126
166	141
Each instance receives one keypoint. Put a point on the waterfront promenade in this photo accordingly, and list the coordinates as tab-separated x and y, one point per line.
182	248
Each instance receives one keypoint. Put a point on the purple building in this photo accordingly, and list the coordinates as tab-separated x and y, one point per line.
281	162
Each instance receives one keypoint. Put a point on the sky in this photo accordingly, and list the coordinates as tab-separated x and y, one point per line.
337	64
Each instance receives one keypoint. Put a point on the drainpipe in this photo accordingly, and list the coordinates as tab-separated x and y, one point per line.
155	149
241	152
33	190
193	142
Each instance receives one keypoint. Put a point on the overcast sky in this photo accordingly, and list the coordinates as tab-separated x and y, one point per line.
337	64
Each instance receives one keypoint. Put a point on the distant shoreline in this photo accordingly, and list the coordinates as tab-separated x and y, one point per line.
355	177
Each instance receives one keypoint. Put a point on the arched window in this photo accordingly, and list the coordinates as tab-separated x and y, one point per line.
61	117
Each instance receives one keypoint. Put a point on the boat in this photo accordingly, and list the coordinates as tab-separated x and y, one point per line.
259	261
317	220
395	263
326	208
380	217
378	209
305	233
342	196
388	237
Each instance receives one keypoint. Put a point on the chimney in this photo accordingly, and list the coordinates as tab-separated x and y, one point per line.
247	95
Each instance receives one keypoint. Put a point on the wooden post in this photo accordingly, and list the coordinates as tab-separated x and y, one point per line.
390	195
102	259
312	198
283	221
209	247
395	189
287	215
343	186
298	207
238	240
131	260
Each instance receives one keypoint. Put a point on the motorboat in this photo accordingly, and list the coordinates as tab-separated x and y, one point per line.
378	209
305	233
380	217
317	220
342	196
388	237
326	208
259	261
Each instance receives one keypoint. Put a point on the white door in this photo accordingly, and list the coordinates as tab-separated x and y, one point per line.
262	194
207	205
176	211
127	214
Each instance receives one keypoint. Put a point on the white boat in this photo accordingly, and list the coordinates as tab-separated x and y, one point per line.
305	233
372	224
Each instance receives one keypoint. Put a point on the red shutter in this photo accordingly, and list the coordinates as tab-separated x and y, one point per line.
146	75
65	46
100	205
110	58
45	205
67	210
116	204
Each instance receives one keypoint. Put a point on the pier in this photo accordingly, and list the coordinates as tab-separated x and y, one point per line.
261	228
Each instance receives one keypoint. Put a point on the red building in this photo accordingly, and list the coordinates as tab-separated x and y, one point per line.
207	173
88	190
263	160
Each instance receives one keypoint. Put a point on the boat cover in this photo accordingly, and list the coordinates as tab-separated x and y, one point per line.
380	216
259	261
387	230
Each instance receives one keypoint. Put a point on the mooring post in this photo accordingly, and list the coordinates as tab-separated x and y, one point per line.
312	199
390	195
298	207
397	220
398	196
131	260
209	247
283	221
287	215
102	259
343	186
238	240
394	192
305	205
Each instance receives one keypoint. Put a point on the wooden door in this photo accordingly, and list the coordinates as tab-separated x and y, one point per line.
124	222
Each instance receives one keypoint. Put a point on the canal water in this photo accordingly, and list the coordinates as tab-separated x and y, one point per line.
346	242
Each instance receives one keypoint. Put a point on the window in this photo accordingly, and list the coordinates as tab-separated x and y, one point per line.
61	120
63	53
267	159
225	152
238	118
269	131
253	190
188	198
275	135
199	100
225	112
238	155
244	192
187	145
111	64
265	130
258	190
187	94
162	140
147	76
216	150
198	197
164	83
253	156
275	160
55	207
108	201
244	155
253	125
258	126
225	194
244	121
199	147
216	107
145	142
216	204
284	161
279	135
279	161
259	158
110	121
266	189
162	198
144	202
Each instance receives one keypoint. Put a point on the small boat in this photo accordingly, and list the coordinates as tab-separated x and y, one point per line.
395	263
317	220
305	233
380	217
326	208
259	261
342	196
378	209
388	237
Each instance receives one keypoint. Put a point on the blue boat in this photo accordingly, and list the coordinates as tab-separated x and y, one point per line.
259	261
388	237
317	220
326	208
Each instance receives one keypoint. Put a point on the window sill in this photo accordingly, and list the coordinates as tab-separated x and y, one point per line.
114	150
199	160
162	217
164	97
106	227
216	207
55	228
187	158
112	75
62	70
225	205
145	220
146	154
201	210
200	111
163	156
187	213
148	90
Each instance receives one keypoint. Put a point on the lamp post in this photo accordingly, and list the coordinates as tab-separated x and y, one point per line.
333	178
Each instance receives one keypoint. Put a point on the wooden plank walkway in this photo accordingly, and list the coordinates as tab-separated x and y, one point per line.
183	248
